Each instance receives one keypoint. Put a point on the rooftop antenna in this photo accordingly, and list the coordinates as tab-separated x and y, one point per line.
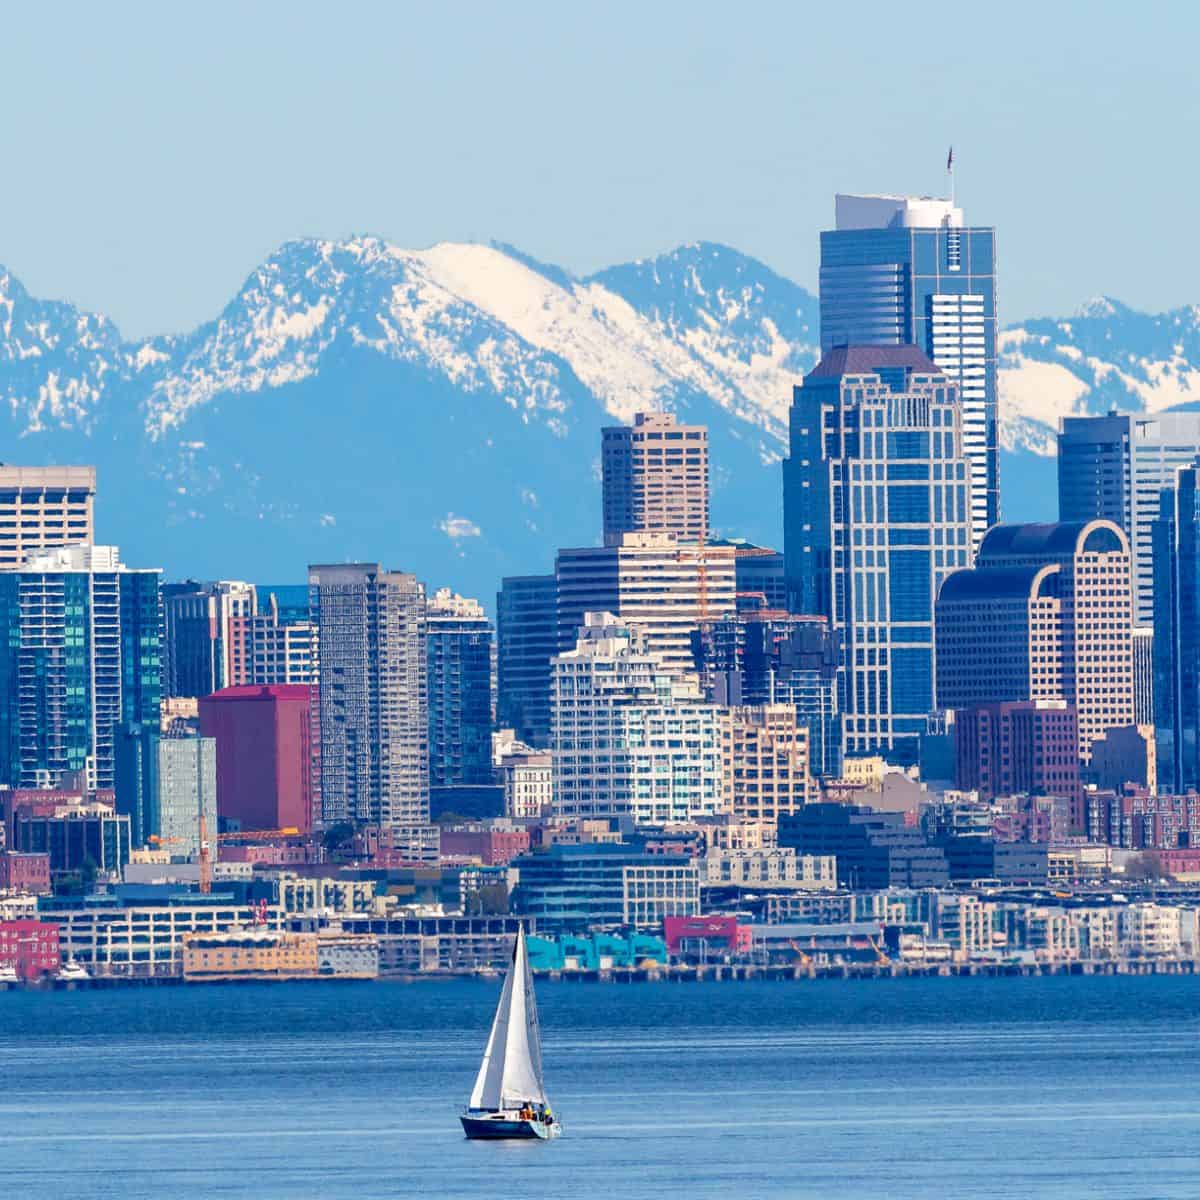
950	174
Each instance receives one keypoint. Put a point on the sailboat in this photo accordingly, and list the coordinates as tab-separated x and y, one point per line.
509	1098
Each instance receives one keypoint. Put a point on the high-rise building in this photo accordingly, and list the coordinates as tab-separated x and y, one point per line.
765	754
79	655
187	794
459	640
901	270
759	574
135	780
630	737
655	478
1022	747
774	658
650	580
527	639
876	515
282	648
370	703
44	508
1143	674
1114	468
207	635
1045	614
1176	555
264	760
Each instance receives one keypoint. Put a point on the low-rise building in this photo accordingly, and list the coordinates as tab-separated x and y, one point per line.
774	866
273	955
491	842
569	889
30	947
144	940
24	872
324	894
1150	930
971	926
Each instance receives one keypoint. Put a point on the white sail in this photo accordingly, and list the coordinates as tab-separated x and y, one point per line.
511	1072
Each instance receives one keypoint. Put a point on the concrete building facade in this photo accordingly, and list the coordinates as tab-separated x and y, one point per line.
44	508
655	478
1045	614
650	580
370	704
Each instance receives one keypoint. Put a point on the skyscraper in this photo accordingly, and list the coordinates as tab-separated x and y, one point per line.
1176	657
43	508
207	629
1045	614
370	701
79	655
631	737
135	780
527	639
876	515
655	478
264	759
775	658
1114	468
898	269
651	580
187	791
459	639
282	647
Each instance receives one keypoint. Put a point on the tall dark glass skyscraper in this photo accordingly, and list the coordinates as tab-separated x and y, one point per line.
459	638
875	516
898	269
1115	467
1176	545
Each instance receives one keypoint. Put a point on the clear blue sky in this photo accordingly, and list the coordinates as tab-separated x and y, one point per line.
153	154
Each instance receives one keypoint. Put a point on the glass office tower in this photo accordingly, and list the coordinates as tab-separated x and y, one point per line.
898	269
1176	542
876	515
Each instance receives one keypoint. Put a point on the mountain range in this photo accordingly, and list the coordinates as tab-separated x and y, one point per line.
439	410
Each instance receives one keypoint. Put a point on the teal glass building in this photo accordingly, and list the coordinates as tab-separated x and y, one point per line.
80	654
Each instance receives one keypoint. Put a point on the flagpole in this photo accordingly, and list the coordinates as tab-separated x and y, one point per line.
950	173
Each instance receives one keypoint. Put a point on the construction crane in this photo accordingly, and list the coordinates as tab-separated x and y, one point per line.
205	860
258	835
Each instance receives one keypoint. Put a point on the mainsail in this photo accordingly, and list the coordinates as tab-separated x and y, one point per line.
511	1072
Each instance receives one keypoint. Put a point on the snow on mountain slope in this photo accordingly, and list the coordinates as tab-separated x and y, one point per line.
446	402
1106	357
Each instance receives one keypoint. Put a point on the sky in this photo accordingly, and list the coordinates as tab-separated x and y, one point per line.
154	154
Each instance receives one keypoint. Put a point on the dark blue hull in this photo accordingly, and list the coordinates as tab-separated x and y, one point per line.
497	1128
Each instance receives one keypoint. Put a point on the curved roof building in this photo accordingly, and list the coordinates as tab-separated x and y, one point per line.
1046	614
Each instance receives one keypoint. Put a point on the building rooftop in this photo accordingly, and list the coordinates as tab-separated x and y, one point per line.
869	360
895	212
1049	539
992	583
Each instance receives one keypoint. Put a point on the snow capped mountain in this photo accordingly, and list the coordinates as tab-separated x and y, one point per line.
1106	357
439	409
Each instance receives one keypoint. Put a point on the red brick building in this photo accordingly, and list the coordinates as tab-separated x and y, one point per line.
1028	747
264	761
24	872
492	846
31	947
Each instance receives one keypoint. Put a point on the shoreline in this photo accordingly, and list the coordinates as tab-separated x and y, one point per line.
700	973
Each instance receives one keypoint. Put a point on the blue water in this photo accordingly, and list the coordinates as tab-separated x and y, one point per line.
898	1088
